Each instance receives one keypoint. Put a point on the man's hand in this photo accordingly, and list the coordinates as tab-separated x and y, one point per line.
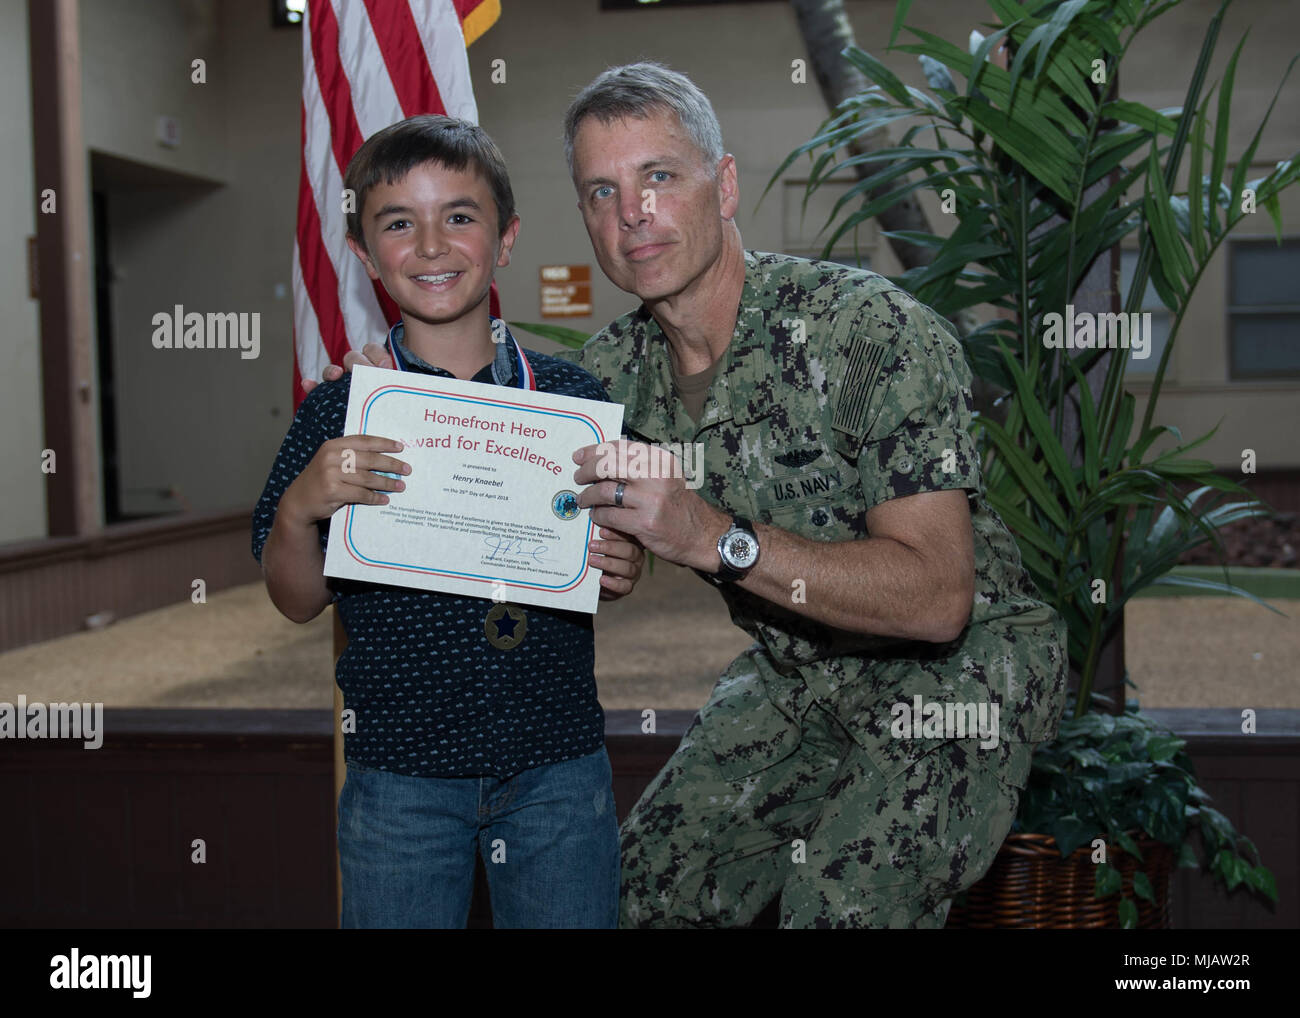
620	558
372	355
342	473
658	509
913	578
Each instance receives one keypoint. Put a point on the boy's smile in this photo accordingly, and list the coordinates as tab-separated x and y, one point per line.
432	240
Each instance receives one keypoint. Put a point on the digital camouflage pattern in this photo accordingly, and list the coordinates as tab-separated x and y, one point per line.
843	846
838	392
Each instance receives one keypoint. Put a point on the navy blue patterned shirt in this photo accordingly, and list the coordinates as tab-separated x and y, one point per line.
433	697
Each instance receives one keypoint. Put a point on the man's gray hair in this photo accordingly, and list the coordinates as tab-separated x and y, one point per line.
640	90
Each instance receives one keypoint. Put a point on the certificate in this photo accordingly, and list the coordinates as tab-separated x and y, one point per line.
490	508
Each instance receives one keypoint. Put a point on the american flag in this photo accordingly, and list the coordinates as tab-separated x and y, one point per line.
366	64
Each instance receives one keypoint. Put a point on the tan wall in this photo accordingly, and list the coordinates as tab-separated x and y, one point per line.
21	426
1198	394
207	423
740	56
764	116
202	424
136	57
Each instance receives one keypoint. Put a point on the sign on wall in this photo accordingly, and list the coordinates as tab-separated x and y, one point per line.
565	291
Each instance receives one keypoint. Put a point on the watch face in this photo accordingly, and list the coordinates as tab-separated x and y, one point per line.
741	550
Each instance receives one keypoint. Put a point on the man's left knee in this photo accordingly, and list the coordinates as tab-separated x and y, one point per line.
894	855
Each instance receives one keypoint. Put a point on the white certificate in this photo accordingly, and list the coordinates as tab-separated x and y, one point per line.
490	508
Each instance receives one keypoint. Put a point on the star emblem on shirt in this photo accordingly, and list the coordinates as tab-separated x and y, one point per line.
505	626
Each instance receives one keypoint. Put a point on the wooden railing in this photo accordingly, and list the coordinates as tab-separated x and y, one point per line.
50	586
110	838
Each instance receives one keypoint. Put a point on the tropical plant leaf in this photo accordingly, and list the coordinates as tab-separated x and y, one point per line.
1043	38
1173	260
878	73
1139	115
1041	429
572	338
1025	471
937	76
1195	189
1089	437
980	57
900	16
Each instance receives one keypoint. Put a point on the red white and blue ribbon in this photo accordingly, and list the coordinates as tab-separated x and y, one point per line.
527	380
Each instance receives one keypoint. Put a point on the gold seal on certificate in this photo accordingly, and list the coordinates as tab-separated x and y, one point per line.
490	508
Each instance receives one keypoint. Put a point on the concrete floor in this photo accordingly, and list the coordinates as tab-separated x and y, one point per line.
662	647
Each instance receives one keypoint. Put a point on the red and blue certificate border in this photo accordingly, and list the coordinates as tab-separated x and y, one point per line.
365	560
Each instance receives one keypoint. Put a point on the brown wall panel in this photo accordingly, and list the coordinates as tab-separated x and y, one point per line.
49	587
105	836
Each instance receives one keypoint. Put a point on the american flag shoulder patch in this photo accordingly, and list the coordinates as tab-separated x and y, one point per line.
864	363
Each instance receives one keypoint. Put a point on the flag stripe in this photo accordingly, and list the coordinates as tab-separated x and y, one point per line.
366	64
398	38
347	286
313	262
374	99
344	52
476	17
444	51
310	356
335	90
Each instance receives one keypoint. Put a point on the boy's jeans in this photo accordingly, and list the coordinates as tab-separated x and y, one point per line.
407	847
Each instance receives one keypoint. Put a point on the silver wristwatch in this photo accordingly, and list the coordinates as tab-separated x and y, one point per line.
738	549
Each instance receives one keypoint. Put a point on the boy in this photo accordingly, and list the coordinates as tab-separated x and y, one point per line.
476	726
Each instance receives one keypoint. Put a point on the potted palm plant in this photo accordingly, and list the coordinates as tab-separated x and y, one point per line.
1047	169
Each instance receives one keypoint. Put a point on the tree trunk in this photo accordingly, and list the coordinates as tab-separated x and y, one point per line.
827	33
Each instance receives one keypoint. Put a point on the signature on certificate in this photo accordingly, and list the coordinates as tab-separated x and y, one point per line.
504	546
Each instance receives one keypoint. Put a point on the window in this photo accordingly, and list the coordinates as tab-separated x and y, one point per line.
1263	309
1161	320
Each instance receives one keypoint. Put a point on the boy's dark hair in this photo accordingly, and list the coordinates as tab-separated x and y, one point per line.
390	154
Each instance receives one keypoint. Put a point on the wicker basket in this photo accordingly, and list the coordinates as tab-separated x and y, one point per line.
1029	886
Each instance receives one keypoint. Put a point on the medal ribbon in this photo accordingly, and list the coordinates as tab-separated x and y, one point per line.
527	380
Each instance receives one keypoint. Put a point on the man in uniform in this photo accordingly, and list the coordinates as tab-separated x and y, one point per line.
864	758
843	521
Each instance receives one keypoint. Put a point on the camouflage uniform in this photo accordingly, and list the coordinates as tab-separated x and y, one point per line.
838	392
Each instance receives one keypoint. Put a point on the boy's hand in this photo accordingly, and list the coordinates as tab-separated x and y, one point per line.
342	473
620	559
372	355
